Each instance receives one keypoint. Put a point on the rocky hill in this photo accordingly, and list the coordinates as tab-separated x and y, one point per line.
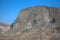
4	27
35	23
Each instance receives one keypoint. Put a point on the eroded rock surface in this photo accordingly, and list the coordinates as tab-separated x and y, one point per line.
35	23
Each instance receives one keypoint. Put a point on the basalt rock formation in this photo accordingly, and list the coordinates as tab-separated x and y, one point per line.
35	23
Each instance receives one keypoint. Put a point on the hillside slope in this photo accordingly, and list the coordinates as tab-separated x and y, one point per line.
35	23
4	27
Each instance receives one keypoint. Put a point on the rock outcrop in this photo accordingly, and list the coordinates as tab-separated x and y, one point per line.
35	23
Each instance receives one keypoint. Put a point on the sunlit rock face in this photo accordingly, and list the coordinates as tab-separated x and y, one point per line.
35	23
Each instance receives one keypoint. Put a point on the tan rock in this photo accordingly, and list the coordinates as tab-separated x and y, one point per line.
35	23
4	27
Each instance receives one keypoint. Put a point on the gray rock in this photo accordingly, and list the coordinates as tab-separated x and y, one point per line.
36	23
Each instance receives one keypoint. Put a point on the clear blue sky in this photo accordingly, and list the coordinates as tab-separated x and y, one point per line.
9	9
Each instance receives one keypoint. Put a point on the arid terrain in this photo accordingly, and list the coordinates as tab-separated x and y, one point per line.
34	23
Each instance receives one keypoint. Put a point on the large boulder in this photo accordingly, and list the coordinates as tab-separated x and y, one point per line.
35	23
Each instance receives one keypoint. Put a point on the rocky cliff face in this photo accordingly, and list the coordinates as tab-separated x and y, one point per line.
35	23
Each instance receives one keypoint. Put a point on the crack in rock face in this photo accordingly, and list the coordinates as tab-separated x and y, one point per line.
36	23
